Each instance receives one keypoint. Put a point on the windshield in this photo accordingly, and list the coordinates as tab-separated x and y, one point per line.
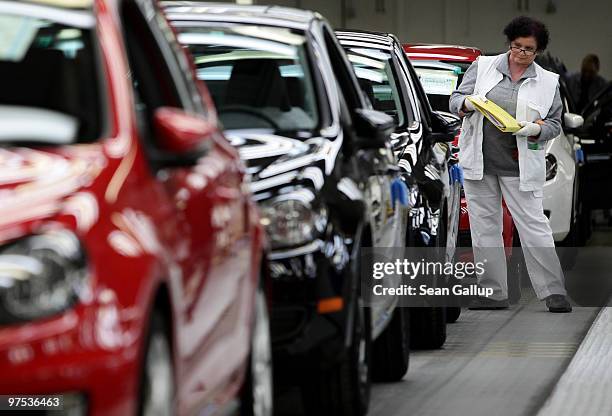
439	79
49	89
258	77
374	70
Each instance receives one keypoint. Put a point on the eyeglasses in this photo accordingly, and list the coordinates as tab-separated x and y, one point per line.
526	52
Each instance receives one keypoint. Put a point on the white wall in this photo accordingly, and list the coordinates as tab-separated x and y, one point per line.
577	27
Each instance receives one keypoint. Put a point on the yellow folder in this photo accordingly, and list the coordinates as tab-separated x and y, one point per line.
496	115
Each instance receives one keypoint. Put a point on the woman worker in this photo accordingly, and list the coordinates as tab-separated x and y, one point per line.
511	165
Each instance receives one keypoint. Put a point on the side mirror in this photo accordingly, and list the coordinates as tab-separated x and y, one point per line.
373	128
181	133
573	121
444	127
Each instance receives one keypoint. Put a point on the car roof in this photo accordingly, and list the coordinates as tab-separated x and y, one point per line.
235	13
366	39
438	52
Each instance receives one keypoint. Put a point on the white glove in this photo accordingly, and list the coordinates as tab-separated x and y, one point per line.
528	129
468	104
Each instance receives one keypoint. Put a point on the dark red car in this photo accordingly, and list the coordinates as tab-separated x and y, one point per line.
130	250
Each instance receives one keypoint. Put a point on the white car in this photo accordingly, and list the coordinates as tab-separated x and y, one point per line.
561	203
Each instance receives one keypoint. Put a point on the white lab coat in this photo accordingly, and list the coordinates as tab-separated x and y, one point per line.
535	97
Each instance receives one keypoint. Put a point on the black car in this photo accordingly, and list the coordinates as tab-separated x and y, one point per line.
421	142
596	141
322	169
574	130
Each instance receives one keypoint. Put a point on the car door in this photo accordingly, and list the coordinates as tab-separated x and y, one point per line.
213	245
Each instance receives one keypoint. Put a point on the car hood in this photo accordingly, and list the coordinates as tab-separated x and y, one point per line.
274	161
39	184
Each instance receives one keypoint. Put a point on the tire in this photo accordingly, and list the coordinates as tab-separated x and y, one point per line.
257	390
344	389
574	239
427	328
428	324
391	350
157	383
452	314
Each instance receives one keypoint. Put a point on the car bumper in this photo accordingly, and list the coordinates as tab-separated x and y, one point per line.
303	334
87	355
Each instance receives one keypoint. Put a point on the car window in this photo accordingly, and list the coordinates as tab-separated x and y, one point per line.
258	77
599	112
343	71
424	107
151	73
377	79
439	79
415	105
158	76
50	79
565	103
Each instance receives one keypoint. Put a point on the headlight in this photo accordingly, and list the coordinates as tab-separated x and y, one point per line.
551	166
40	276
291	222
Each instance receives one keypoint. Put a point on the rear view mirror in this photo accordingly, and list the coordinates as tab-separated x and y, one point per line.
444	127
179	132
573	121
373	128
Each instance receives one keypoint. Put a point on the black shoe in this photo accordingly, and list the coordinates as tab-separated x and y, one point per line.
481	303
558	304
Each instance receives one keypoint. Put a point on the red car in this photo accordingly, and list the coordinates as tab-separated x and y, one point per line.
130	249
441	69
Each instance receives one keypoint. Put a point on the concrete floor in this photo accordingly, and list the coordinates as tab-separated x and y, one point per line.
502	363
494	362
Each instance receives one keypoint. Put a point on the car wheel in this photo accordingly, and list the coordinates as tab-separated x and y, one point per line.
344	389
157	386
427	327
452	314
391	350
574	239
428	324
257	393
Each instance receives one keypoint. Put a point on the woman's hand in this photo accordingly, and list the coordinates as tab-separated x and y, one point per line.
529	129
468	107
